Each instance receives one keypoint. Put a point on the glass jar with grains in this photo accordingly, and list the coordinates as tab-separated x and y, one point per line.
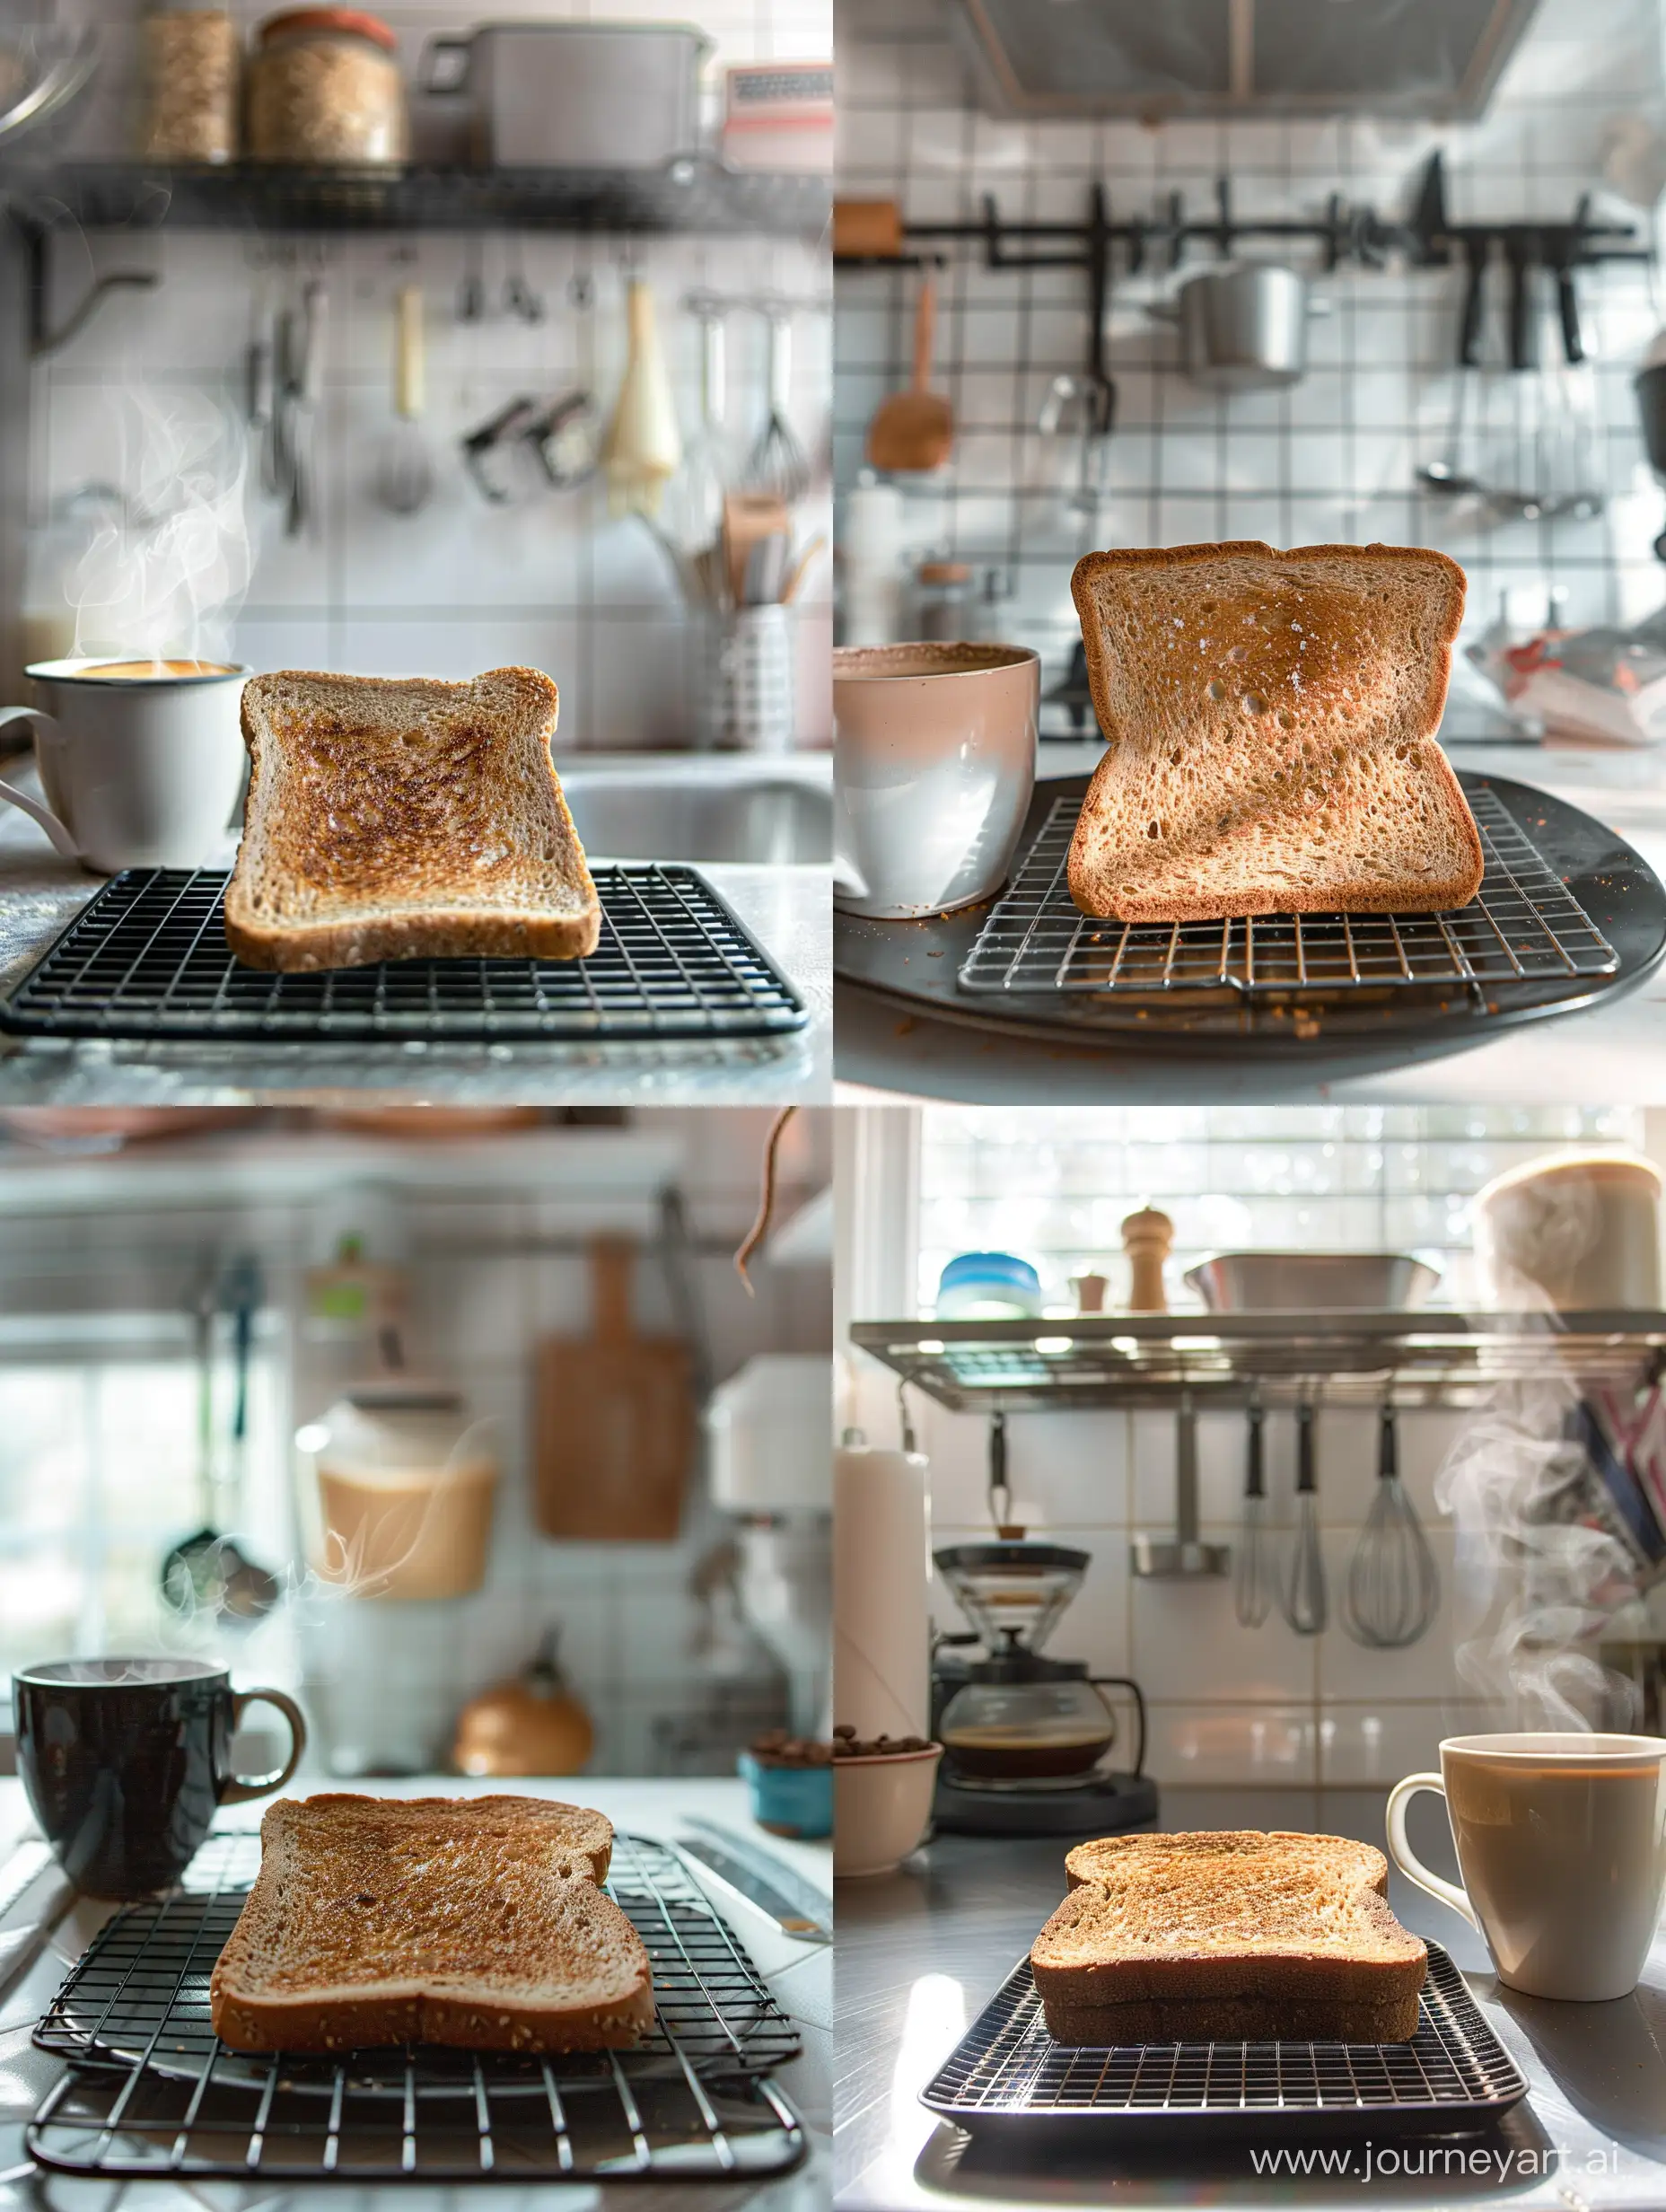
325	87
190	60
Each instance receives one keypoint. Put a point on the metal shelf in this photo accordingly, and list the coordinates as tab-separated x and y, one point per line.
694	193
1421	1358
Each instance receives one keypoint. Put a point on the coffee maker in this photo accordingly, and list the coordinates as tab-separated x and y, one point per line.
1025	1735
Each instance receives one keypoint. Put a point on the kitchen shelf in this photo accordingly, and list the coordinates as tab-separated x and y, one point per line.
694	193
617	1173
1420	1357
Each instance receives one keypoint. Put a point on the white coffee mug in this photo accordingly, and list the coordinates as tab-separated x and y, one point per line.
933	768
142	767
1562	1846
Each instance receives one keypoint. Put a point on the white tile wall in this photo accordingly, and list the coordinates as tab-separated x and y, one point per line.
1333	458
465	585
1227	1703
384	1679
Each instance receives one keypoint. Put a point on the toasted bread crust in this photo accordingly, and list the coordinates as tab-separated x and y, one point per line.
372	803
1398	760
349	2023
474	1922
1232	2020
1230	1932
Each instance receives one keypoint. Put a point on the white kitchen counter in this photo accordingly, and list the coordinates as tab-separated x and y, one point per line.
799	1975
922	1951
887	1053
786	907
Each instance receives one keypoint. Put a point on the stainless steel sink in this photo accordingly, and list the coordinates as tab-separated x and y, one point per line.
757	816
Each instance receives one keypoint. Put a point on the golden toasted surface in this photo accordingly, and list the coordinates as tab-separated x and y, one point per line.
1270	722
405	819
431	1889
1231	1889
371	812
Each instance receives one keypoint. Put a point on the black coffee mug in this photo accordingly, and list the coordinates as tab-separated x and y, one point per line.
125	1760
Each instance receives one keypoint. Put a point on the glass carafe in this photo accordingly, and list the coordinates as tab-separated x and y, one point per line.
1027	1731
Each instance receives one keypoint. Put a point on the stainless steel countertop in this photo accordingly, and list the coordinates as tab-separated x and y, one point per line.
921	1951
787	909
885	1052
800	1975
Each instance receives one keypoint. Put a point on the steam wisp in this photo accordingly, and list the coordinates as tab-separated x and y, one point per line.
165	574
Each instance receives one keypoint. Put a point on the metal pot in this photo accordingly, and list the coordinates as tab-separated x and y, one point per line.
1243	329
574	95
1311	1282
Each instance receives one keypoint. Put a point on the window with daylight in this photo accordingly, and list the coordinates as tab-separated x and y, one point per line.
112	1449
1054	1185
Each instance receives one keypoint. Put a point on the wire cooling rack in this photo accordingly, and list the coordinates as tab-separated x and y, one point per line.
1525	925
152	2092
147	958
1454	2073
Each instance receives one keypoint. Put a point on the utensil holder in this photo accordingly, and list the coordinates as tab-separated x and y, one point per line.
748	695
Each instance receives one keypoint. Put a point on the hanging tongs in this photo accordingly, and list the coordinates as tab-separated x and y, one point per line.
485	444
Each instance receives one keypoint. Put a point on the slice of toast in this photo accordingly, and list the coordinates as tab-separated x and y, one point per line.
1270	721
1230	1935
396	819
472	1922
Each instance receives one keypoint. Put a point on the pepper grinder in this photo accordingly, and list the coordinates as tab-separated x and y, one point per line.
1146	1237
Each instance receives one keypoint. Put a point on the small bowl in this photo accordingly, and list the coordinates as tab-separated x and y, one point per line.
882	1809
790	1800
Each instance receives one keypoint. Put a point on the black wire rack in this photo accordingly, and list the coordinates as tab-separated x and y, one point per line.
1525	925
147	958
1454	2074
152	2092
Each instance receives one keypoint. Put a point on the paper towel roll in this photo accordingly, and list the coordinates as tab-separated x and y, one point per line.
882	1632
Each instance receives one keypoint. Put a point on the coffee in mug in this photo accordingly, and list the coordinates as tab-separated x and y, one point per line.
153	672
124	1763
141	761
1562	1847
933	768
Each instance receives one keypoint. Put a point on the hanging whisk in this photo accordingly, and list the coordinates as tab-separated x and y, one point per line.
1303	1597
779	466
1252	1560
1394	1586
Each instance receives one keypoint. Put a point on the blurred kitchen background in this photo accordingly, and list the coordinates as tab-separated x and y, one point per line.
451	252
1534	477
375	1407
1512	1576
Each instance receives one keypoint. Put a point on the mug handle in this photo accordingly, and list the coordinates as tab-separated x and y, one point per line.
240	1787
445	64
44	726
1406	1859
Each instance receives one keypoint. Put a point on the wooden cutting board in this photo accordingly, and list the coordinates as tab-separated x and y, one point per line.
614	1437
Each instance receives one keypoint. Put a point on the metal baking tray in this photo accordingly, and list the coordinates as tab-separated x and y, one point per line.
1007	2074
1311	997
147	958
